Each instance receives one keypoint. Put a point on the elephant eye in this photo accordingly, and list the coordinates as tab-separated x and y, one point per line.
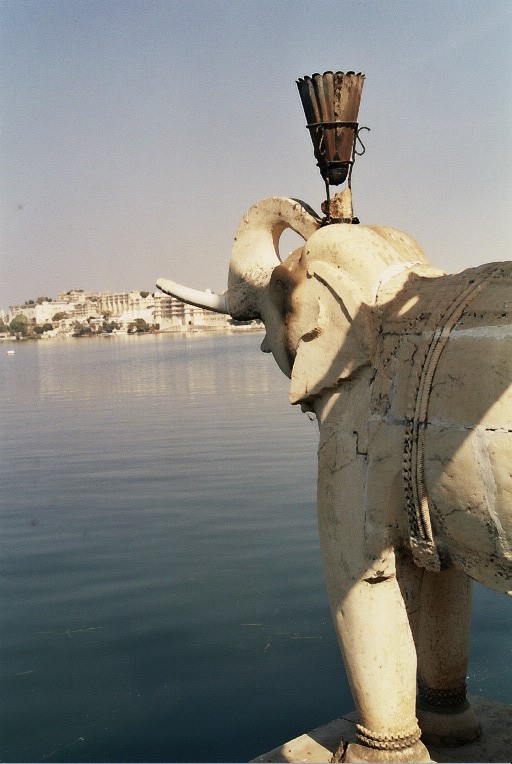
280	292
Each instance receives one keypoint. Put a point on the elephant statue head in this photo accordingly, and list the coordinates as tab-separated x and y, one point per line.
314	304
414	482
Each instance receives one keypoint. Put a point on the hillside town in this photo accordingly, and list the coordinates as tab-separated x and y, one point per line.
78	313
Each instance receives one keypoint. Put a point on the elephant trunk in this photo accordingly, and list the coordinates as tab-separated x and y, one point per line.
254	257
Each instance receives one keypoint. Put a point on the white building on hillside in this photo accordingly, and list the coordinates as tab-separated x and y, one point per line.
123	307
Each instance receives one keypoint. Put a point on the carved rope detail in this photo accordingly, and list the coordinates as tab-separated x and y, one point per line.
441	697
387	742
424	549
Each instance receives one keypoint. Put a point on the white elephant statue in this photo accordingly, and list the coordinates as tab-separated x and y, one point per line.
409	373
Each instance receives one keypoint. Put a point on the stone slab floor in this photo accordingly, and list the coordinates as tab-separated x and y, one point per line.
495	744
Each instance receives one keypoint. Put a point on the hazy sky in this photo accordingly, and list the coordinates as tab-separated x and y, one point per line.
136	133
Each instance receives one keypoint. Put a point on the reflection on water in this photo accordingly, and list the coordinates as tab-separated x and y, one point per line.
162	594
64	370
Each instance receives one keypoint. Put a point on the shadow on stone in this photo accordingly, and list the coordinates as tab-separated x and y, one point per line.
320	745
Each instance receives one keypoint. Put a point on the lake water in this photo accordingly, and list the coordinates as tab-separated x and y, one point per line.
162	594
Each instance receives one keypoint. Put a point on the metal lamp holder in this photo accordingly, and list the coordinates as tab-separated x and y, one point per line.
325	166
331	104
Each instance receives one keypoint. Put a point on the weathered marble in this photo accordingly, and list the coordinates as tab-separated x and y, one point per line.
409	373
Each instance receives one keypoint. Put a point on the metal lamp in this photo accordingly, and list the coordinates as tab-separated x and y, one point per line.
331	105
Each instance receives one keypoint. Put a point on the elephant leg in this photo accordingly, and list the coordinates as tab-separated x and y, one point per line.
380	658
444	713
368	610
410	577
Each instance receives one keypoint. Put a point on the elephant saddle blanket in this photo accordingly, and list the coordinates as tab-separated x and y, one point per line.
443	376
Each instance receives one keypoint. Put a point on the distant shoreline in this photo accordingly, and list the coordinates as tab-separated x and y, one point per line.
180	331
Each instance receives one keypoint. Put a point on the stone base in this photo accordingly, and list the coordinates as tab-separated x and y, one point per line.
495	744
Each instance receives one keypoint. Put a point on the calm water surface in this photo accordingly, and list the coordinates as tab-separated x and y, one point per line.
162	595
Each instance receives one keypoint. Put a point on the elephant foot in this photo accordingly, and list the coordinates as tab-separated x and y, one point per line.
448	726
383	747
445	716
417	752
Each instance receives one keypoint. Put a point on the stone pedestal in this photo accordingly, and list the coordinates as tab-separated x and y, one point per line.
495	744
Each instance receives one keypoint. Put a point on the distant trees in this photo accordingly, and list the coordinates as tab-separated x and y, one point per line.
38	301
81	330
47	327
67	318
19	325
22	327
110	326
88	329
139	326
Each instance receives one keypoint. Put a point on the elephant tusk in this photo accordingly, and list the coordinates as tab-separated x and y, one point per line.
208	300
255	255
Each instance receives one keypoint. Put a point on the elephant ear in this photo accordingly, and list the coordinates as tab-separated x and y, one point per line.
339	342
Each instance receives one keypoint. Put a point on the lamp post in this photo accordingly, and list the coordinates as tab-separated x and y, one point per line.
331	105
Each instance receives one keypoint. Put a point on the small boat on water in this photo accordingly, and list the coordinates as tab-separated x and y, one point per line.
10	352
